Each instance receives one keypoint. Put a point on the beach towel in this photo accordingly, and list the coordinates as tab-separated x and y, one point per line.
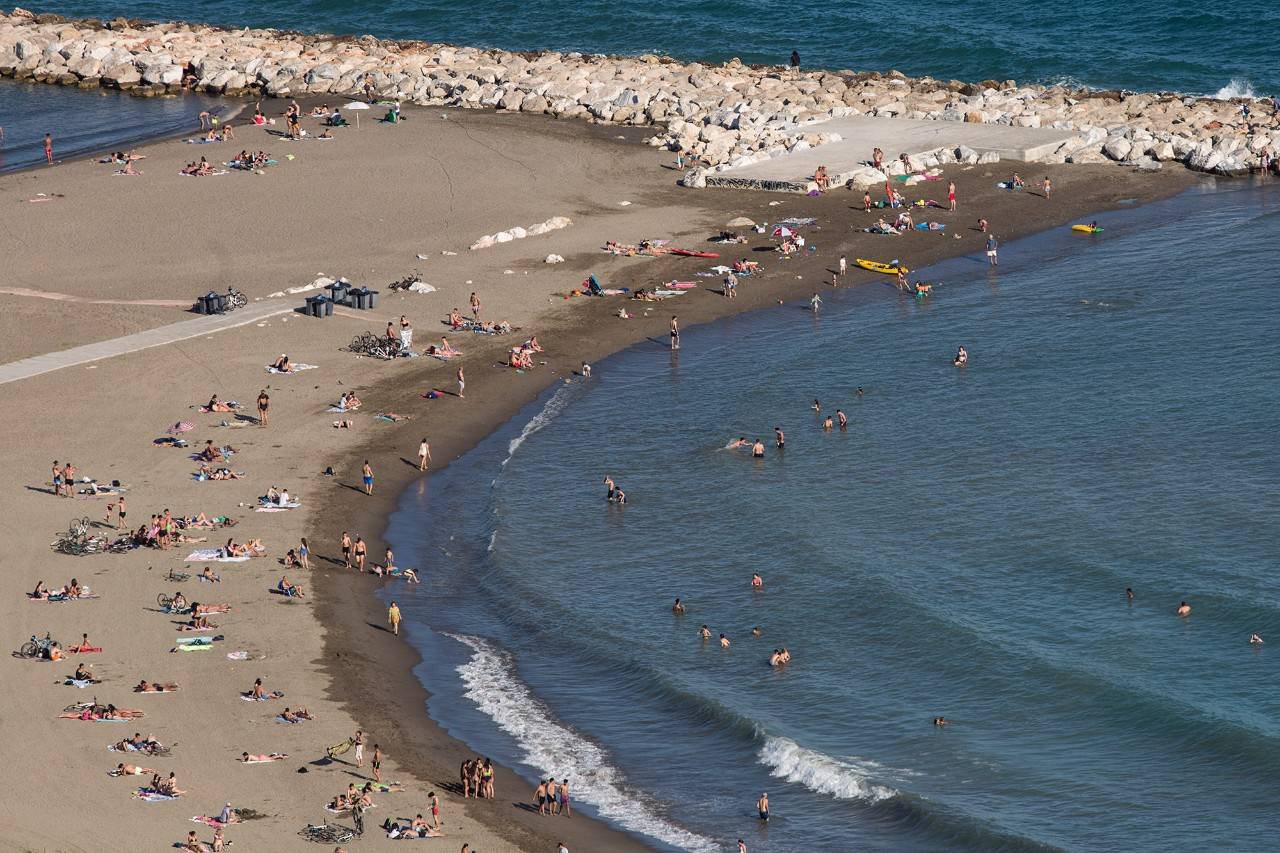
232	403
296	369
83	650
211	821
151	796
212	555
190	648
265	504
332	810
275	694
238	655
197	641
265	760
78	682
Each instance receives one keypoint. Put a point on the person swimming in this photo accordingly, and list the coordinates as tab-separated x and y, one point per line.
678	608
941	721
962	357
757	449
1184	609
1255	640
741	441
756	581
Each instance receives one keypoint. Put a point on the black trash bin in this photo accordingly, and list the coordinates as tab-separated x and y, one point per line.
373	298
315	305
217	303
207	304
359	298
338	291
328	308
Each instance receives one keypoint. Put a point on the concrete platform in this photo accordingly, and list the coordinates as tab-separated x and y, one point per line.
860	134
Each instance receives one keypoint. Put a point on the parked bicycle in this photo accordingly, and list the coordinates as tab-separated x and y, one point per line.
37	647
327	833
79	540
177	577
406	282
376	346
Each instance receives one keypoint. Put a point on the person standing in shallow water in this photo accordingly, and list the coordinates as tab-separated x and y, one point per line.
762	806
48	148
675	332
795	59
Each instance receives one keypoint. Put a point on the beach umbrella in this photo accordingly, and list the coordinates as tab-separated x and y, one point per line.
180	427
783	231
356	105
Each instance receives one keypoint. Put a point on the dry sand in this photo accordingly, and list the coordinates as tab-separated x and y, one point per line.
363	206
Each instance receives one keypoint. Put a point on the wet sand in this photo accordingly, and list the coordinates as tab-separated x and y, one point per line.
364	205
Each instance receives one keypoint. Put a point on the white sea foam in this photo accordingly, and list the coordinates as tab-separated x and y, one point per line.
1237	88
493	540
842	778
552	748
553	407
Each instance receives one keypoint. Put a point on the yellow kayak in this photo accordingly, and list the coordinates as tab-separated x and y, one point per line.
1087	229
876	266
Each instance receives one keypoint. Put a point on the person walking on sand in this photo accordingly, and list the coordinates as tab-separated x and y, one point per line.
264	406
951	195
675	332
462	384
1047	186
424	455
358	742
393	616
48	148
844	266
377	749
565	808
366	474
121	512
359	551
475	306
346	550
435	810
992	249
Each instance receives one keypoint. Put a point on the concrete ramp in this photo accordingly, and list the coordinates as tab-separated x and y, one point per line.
860	134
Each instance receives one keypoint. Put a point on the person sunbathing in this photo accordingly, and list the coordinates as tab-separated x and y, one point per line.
198	623
455	319
41	591
209	473
216	405
258	691
145	686
184	538
211	453
231	549
205	609
82	673
123	769
282	364
533	344
291	559
270	756
291	590
194	844
208	575
168	786
349	402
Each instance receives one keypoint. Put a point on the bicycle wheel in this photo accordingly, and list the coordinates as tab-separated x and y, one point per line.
29	649
76	706
164	601
238	299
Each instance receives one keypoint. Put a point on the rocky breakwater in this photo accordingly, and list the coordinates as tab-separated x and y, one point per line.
726	115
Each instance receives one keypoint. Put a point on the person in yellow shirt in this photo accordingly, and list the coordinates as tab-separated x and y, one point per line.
393	616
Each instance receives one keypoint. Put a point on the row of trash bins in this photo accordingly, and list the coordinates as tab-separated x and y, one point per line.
211	303
341	293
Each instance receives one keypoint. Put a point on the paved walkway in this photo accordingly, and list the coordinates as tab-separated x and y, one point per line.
860	134
174	332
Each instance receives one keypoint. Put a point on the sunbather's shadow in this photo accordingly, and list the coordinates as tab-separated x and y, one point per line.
451	787
240	416
42	490
409	462
333	561
377	627
762	249
352	488
525	807
660	342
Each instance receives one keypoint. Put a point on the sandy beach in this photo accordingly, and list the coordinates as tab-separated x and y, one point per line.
111	255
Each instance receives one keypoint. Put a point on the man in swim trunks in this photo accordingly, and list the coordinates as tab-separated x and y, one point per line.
359	551
366	474
346	550
779	437
762	806
757	449
991	250
675	332
843	419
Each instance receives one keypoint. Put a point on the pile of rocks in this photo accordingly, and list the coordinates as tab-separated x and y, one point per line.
724	115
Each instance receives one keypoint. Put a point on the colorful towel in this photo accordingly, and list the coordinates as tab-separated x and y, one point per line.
212	555
275	694
296	368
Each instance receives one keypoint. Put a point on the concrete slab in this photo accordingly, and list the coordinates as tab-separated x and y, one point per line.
860	134
159	336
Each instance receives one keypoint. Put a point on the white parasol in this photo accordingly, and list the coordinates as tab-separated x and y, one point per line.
356	105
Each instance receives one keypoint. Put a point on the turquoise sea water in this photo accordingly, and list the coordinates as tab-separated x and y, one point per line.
962	550
1180	45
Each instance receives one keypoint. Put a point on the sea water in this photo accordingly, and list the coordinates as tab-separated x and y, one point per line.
1181	45
83	121
962	550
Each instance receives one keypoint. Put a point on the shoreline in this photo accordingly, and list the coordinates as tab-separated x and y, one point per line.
339	656
591	345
